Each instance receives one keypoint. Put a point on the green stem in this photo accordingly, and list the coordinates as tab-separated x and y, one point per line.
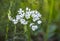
6	38
49	20
27	33
9	12
14	32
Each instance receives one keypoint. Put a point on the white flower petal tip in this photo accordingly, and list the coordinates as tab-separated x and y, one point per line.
39	22
27	8
20	10
31	24
35	27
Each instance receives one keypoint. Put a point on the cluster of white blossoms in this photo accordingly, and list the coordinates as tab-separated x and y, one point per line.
23	17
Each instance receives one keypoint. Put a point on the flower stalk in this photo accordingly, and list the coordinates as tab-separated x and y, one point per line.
27	33
14	33
7	28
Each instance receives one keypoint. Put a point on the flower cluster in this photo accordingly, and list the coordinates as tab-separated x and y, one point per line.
23	17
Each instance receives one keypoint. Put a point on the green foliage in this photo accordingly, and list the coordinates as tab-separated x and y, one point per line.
51	30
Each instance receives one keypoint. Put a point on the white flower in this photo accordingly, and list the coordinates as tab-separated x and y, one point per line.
23	21
34	27
35	19
20	11
15	21
27	15
17	17
38	14
31	24
22	15
39	22
33	14
27	8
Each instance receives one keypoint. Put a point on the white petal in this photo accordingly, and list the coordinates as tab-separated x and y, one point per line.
20	10
23	21
31	24
27	8
38	14
35	27
15	21
27	15
22	15
35	19
17	17
39	22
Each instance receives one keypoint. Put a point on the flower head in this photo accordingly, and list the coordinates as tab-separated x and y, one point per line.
34	27
23	18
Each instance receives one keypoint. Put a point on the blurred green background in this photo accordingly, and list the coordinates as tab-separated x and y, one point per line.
50	11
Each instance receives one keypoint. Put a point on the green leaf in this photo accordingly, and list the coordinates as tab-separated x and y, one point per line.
51	31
